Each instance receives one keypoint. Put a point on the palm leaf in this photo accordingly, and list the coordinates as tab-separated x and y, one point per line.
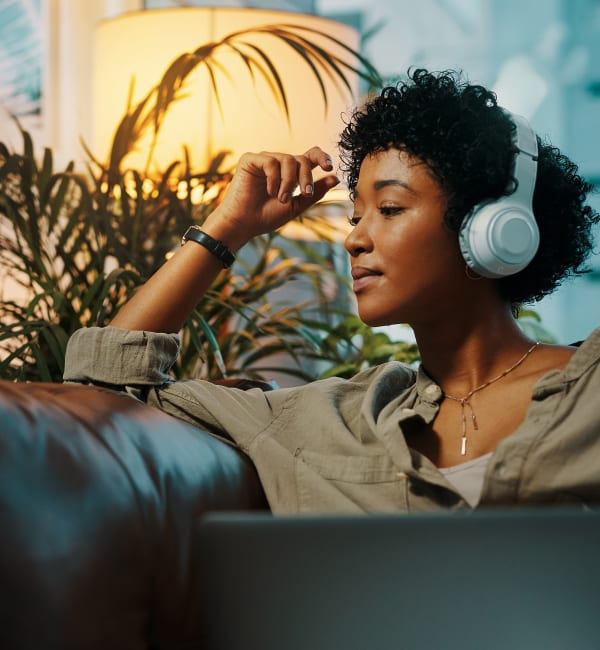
109	232
152	108
277	87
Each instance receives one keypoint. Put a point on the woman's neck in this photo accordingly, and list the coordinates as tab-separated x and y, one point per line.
465	352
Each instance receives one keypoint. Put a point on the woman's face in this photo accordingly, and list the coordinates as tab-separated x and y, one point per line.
406	264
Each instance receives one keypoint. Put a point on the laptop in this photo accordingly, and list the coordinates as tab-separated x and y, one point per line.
486	580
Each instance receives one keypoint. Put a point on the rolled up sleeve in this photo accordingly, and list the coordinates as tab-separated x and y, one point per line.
119	357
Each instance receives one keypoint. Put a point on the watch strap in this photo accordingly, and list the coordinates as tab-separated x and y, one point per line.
220	250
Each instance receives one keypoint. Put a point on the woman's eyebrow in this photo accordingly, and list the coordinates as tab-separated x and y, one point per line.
378	185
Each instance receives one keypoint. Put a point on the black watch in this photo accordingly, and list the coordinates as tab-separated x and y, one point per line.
216	247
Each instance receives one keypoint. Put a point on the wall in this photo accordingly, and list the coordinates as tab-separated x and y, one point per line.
68	71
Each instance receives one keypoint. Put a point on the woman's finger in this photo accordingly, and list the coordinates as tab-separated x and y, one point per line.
283	173
303	201
269	165
320	158
290	166
314	157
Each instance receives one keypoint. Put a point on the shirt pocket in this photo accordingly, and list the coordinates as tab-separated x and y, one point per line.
336	483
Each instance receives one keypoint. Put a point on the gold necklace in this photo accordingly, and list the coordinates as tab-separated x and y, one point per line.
466	400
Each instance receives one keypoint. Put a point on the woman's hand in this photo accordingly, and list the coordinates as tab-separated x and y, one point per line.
261	197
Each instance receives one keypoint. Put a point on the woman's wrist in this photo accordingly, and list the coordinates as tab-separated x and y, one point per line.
226	230
220	250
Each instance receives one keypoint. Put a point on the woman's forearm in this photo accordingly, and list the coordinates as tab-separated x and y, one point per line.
164	302
259	200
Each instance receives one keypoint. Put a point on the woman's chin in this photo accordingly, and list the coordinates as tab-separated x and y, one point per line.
375	320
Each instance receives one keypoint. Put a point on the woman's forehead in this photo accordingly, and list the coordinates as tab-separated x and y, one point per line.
394	167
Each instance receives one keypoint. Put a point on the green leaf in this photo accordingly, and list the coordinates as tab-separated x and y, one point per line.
56	340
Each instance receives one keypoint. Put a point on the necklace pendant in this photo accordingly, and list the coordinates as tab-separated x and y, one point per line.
466	400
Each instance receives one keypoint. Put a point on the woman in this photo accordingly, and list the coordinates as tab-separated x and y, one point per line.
490	417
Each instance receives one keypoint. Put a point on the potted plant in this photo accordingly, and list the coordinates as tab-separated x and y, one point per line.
78	245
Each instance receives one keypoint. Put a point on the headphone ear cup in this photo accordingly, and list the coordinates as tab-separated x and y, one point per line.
499	238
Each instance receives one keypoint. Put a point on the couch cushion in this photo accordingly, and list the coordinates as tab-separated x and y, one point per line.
99	499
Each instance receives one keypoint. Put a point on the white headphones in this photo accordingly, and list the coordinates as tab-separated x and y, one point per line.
499	238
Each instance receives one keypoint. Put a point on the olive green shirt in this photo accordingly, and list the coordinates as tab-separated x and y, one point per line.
336	445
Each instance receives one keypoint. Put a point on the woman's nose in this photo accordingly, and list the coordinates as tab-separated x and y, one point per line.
358	239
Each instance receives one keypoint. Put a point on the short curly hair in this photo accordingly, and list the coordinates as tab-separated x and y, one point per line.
458	130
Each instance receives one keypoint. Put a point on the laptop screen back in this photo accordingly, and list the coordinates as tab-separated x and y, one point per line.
505	580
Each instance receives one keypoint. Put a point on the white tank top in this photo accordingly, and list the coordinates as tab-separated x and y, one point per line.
468	477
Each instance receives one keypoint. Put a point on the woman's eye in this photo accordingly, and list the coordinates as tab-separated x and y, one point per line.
390	210
353	220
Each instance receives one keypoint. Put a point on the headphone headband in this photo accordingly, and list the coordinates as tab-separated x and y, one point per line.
525	164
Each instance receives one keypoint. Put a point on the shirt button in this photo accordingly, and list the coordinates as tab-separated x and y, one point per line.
433	391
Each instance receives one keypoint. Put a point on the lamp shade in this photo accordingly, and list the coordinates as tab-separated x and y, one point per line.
242	114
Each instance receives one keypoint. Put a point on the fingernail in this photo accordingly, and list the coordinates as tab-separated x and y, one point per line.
329	161
285	197
309	189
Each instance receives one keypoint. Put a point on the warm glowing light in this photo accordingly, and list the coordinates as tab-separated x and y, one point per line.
182	190
327	219
141	45
212	192
147	187
197	194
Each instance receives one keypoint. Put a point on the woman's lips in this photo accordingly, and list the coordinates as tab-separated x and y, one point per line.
362	277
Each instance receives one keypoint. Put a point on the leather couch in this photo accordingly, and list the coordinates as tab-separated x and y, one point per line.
100	498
